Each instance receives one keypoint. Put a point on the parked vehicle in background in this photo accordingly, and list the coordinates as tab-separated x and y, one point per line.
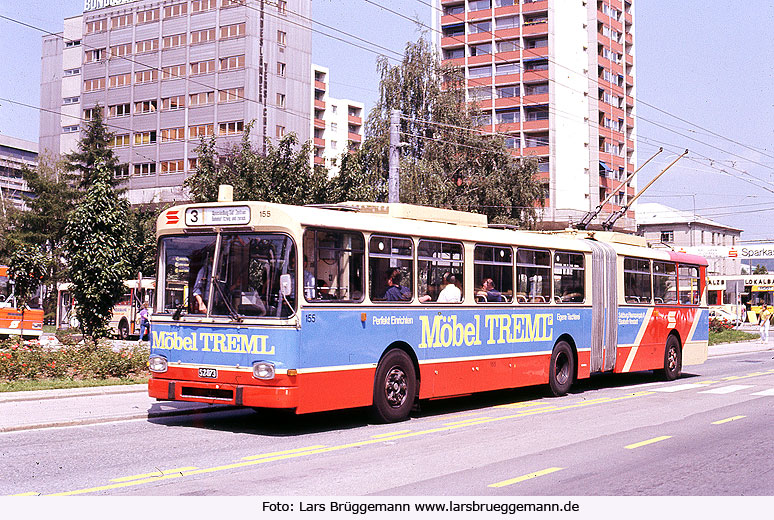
124	322
725	317
13	320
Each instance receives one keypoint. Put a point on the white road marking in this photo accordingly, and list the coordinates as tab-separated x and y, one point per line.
769	392
678	388
726	389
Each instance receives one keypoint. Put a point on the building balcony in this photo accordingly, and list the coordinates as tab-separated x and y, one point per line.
319	160
603	40
534	28
480	82
509	9
457	62
354	137
452	41
535	151
540	124
355	120
629	145
449	19
483	104
319	123
318	142
531	7
630	122
478	60
536	52
483	14
319	85
319	104
506	56
507	102
629	59
535	76
628	18
479	37
504	128
507	79
535	99
629	39
503	34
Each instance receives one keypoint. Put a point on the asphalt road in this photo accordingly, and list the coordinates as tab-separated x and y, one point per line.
708	433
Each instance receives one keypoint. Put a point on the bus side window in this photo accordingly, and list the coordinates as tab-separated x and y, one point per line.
637	280
493	272
440	271
390	269
334	266
533	275
569	277
665	282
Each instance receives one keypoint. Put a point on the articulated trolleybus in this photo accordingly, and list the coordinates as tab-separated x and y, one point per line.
361	304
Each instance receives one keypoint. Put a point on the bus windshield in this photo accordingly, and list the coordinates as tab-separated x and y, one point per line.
242	282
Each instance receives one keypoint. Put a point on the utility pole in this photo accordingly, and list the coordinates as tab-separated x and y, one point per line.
393	181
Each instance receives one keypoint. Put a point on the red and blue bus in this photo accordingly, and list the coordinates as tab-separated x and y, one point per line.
15	321
380	305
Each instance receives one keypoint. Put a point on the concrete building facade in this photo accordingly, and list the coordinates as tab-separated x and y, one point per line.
337	125
169	72
15	155
556	78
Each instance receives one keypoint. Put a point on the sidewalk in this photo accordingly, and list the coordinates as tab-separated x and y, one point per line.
68	407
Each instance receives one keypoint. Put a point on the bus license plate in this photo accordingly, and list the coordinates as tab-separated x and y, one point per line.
208	372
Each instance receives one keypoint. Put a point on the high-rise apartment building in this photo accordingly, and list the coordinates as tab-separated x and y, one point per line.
337	126
15	155
557	78
169	72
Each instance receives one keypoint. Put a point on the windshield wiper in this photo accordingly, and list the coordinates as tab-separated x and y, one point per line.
232	312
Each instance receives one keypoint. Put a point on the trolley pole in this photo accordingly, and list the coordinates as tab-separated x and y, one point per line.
393	182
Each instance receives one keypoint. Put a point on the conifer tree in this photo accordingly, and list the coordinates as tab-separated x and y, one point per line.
94	147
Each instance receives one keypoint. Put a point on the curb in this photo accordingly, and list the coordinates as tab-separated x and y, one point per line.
60	393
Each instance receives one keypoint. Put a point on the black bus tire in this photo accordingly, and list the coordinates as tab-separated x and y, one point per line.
561	371
673	359
395	387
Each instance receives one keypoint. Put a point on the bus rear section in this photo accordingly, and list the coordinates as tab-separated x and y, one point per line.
14	321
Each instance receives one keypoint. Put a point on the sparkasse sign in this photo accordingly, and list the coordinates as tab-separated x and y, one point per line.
747	251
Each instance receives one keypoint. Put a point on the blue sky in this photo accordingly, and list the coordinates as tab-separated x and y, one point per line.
706	63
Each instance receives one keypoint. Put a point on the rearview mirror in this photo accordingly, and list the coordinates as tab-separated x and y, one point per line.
286	285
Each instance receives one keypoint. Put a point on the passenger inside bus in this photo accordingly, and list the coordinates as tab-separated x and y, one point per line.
488	293
395	291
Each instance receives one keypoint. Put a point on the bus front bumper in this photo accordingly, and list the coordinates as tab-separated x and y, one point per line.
257	395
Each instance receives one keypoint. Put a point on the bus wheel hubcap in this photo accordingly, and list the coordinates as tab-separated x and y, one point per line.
396	387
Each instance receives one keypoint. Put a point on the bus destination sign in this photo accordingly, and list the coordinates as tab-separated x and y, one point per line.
218	216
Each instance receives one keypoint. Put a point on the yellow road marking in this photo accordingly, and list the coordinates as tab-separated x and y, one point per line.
649	441
734	418
159	473
389	434
27	494
706	382
314	450
465	421
517	405
524	477
275	453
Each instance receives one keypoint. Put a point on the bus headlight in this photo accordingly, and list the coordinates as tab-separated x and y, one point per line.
263	370
157	363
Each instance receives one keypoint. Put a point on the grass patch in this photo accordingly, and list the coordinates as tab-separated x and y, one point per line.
24	385
730	336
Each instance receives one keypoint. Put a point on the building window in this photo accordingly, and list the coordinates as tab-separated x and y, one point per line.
453	54
94	55
145	107
172	134
200	6
145	169
120	110
507	68
667	237
507	22
172	166
480	93
232	63
196	131
231	128
453	9
90	85
508	116
504	3
232	31
72	72
123	20
201	98
480	72
69	129
203	36
282	37
151	15
280	100
202	67
279	131
480	49
120	141
535	65
230	95
479	27
71	100
173	72
72	43
479	5
534	90
171	11
124	49
142	138
510	91
232	3
96	26
174	40
121	171
173	103
281	69
146	76
120	80
334	145
282	6
508	46
193	163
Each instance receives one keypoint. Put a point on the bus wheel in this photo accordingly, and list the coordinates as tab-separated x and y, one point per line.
673	359
394	387
123	330
562	370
